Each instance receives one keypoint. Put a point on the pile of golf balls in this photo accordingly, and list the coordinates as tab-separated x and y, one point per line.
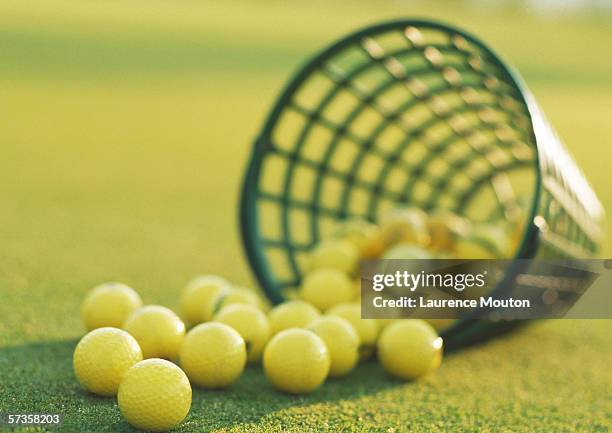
149	357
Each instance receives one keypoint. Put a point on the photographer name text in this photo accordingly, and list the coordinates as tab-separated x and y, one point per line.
423	302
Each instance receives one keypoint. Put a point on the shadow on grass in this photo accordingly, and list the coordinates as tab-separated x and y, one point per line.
38	378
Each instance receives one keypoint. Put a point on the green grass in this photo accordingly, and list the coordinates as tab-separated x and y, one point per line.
126	129
550	377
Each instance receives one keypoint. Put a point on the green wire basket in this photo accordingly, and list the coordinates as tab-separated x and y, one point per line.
409	112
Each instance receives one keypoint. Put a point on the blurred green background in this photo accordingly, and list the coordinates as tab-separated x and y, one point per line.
126	127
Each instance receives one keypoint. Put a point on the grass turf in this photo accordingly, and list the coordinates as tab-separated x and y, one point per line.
518	383
127	127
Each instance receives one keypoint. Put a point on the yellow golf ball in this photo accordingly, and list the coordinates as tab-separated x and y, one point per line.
406	252
363	234
472	249
342	342
367	329
158	330
292	314
102	357
383	323
200	296
444	227
238	295
356	290
337	254
213	355
296	361
109	304
251	323
409	349
485	241
154	395
325	288
404	225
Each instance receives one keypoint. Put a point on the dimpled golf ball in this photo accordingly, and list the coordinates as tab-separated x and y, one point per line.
409	349
109	304
342	342
102	357
292	314
238	295
337	254
325	288
158	330
367	329
213	355
251	323
154	395
200	297
296	361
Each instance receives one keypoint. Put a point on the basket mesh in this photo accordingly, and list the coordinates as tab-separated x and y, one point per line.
408	112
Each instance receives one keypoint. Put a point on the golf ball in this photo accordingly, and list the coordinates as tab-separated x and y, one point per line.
444	227
158	330
405	225
154	395
485	241
200	297
292	314
367	329
238	295
325	288
363	234
406	252
296	361
409	349
337	254
251	324
102	357
109	304
213	355
342	342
